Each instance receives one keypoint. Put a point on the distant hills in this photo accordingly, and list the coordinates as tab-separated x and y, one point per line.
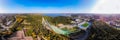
102	31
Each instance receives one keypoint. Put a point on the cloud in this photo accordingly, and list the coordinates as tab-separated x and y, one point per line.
107	7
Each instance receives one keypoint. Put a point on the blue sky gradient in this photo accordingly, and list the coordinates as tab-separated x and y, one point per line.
47	3
49	6
51	3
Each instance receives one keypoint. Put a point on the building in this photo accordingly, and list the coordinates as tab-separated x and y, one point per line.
19	35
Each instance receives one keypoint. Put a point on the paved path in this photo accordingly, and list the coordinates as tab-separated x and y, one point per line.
7	27
54	28
59	31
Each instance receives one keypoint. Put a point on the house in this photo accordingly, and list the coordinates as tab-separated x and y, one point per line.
19	35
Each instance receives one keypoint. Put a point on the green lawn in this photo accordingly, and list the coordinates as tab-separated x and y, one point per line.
85	24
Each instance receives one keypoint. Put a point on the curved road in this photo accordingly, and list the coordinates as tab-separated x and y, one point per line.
84	35
54	28
9	26
78	37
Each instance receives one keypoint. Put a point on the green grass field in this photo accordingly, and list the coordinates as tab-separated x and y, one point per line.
85	24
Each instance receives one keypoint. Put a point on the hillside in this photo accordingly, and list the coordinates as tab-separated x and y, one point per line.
37	29
102	31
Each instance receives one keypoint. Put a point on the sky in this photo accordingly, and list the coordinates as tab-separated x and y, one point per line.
60	6
54	15
107	7
46	6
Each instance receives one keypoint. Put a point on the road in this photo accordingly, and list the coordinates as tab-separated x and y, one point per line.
78	37
84	35
54	28
6	27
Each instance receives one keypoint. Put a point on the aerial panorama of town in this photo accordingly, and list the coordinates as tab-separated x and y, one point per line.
60	26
